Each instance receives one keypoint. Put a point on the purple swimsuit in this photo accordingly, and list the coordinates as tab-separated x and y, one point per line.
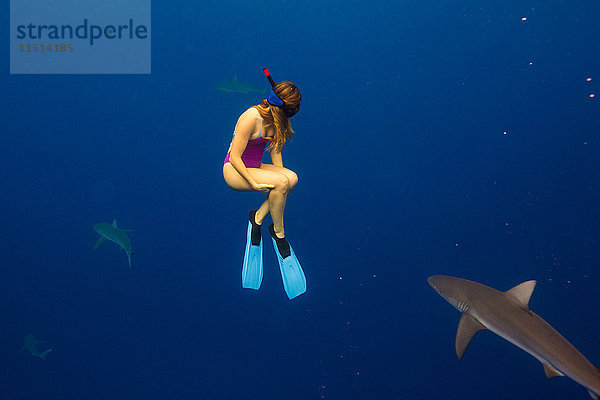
252	155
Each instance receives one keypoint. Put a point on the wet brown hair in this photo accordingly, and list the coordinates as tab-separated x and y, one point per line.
279	116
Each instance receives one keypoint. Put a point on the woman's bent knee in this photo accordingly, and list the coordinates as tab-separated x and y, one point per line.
282	183
293	179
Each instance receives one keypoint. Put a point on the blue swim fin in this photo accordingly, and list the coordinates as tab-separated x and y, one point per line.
294	281
252	270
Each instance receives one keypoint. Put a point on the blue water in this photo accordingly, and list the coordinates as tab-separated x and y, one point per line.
405	171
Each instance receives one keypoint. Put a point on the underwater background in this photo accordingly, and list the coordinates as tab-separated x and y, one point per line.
457	138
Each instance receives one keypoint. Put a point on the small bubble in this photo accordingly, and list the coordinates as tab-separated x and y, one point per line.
588	79
524	19
592	95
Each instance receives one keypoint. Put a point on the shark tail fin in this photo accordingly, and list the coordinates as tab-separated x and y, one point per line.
43	354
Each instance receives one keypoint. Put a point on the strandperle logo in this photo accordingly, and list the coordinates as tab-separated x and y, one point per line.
83	31
80	37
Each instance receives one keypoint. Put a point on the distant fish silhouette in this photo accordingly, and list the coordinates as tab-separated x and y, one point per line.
31	345
234	86
114	234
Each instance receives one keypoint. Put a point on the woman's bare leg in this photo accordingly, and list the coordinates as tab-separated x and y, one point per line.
291	175
275	203
277	198
263	211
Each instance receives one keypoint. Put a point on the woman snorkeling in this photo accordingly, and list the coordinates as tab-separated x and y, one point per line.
243	170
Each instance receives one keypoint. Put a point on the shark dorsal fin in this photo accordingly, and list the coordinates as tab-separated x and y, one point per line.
522	293
114	224
467	328
235	78
551	372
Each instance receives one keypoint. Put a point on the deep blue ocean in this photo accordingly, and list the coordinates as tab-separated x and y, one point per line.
448	138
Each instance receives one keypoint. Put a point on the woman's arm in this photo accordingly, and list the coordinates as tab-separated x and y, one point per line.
276	157
243	131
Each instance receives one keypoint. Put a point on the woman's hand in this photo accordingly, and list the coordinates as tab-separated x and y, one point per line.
262	187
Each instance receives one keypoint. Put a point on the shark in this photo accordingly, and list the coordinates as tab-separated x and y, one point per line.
31	345
234	86
507	314
114	234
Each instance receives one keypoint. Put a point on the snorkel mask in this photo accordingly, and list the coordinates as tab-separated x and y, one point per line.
276	101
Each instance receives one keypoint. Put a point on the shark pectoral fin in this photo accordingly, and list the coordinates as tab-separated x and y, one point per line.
551	372
99	242
522	292
467	328
43	354
594	395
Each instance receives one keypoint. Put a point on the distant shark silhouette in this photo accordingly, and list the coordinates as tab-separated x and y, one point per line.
234	86
507	314
31	345
114	234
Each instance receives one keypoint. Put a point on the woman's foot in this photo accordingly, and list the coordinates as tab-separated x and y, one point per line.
255	234
283	245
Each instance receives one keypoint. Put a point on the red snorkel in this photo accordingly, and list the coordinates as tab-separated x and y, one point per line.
273	99
268	75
